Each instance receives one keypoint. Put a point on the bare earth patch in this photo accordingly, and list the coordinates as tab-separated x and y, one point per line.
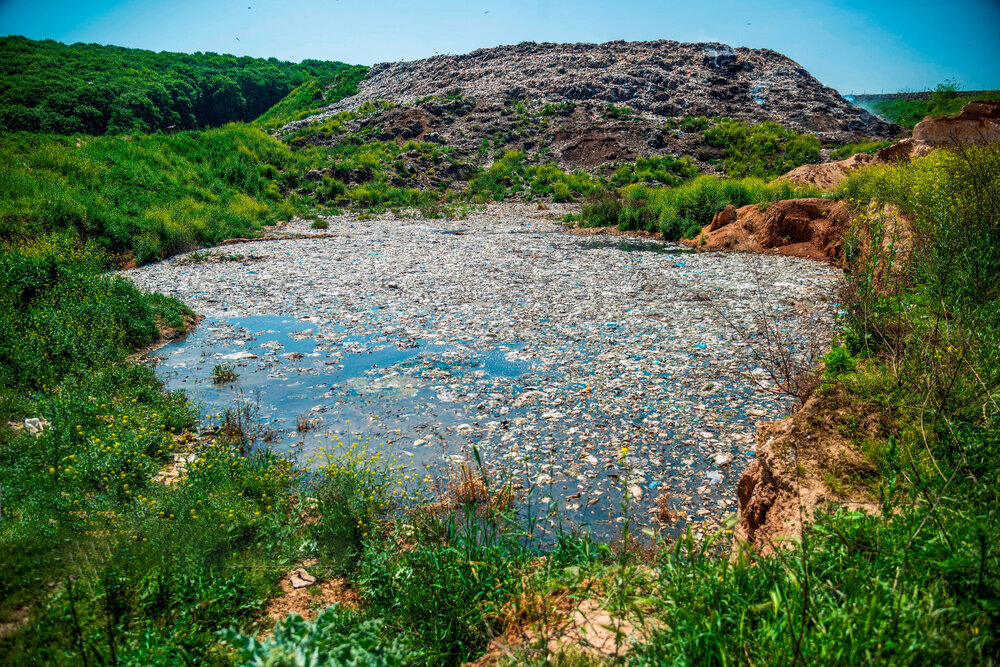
308	601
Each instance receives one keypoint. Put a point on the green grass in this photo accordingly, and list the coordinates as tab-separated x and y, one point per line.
908	113
313	95
679	212
149	196
764	150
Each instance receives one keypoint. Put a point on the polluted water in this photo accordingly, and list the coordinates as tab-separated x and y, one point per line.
583	369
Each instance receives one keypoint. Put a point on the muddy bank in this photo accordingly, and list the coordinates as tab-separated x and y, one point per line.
579	366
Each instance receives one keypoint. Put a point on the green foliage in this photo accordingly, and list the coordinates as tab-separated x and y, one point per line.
224	373
851	593
689	124
764	150
943	101
334	125
509	175
838	361
611	111
557	108
847	150
94	89
681	211
665	169
334	637
60	313
150	196
313	95
114	565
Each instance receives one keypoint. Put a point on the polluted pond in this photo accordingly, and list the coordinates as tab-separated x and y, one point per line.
584	372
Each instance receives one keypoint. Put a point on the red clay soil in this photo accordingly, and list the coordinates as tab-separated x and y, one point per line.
809	228
797	458
978	122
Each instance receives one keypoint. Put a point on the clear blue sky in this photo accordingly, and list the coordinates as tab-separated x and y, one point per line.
851	45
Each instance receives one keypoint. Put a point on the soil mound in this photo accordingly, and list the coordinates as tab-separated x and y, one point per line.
810	228
978	122
828	175
798	458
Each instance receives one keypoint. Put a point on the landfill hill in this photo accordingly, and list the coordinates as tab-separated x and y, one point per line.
588	104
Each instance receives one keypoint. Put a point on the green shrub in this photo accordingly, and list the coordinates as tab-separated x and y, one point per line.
665	169
611	111
334	637
764	150
838	361
682	211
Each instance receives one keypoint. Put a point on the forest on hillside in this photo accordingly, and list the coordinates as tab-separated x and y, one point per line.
46	86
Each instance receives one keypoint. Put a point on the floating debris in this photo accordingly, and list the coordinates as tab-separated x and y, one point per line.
594	373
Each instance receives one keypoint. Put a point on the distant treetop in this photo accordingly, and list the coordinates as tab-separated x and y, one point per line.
46	86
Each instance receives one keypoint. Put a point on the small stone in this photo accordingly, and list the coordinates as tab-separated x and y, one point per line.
300	578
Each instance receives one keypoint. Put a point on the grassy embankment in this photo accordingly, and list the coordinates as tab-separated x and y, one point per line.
944	100
102	563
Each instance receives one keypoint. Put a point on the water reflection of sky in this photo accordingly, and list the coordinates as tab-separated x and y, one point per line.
425	403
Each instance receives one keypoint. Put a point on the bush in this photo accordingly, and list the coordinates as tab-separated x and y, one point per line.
334	637
665	169
764	150
682	211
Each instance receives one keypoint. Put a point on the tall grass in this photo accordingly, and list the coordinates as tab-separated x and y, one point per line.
150	195
682	211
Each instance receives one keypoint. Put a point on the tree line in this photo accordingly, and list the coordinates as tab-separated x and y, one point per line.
47	86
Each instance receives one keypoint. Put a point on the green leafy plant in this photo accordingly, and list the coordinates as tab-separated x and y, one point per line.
334	637
224	373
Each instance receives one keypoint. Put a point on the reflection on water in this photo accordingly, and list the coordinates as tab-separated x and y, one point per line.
425	403
635	245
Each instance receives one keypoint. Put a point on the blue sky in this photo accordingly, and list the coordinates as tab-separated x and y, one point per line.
851	45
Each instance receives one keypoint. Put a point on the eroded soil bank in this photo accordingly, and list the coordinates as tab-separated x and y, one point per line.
580	366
